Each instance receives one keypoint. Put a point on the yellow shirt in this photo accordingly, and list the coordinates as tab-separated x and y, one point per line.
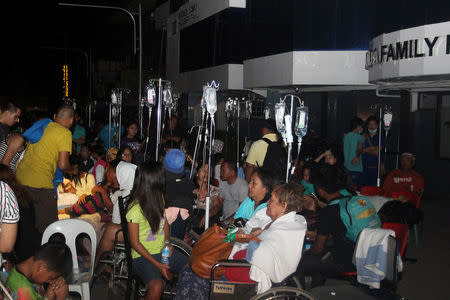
37	168
258	150
153	243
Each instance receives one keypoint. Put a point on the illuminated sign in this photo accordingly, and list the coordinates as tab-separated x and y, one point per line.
65	70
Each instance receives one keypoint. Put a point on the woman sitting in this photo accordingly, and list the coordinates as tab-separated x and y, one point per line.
149	230
259	191
119	177
78	182
278	252
28	238
200	193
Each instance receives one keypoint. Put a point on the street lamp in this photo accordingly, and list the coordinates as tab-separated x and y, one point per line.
139	13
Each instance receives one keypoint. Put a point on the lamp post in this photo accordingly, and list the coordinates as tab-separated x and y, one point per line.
131	14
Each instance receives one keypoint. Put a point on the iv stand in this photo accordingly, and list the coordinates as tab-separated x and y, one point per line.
238	133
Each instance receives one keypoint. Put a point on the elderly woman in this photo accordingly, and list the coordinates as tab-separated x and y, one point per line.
275	256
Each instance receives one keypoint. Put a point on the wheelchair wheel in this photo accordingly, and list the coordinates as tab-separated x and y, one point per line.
181	246
284	292
170	287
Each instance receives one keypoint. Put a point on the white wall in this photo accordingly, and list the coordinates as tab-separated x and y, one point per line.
306	68
438	64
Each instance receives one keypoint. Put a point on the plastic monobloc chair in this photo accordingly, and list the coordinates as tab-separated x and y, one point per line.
372	191
71	229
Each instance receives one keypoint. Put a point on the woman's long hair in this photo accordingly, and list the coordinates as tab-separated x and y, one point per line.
22	195
148	191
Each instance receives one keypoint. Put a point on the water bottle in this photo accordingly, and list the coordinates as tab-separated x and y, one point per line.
165	253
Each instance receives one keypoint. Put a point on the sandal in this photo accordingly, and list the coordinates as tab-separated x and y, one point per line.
84	263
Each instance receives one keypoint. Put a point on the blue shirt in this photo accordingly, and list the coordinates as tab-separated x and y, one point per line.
369	160
351	141
309	187
247	209
78	133
104	135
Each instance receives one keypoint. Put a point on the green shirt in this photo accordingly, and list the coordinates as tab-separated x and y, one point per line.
153	243
20	287
351	141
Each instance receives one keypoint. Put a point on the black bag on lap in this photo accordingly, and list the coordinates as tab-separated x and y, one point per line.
400	212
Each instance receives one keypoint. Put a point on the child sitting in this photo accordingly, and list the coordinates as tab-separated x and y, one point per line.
51	263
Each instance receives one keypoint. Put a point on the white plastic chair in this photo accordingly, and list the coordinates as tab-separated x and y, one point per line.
71	228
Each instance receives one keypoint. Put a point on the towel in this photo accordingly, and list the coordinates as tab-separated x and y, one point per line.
279	251
125	176
371	256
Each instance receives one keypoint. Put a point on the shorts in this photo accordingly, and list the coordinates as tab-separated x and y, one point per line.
148	271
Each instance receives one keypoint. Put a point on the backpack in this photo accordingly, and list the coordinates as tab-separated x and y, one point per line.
358	213
276	159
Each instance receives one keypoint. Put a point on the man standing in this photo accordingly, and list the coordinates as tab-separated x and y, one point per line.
353	147
37	168
233	189
259	149
9	116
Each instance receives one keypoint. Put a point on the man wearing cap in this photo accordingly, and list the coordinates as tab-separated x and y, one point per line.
404	178
179	196
258	150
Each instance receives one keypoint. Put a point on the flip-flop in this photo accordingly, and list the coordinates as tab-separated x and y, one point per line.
81	263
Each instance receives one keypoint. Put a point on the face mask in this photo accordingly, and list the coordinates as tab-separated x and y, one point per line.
373	130
360	131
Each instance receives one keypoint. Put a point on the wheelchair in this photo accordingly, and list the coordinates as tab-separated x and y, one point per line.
290	288
123	281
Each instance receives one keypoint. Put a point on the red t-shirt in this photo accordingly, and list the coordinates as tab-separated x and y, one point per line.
398	180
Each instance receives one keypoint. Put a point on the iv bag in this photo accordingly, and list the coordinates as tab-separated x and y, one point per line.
301	121
387	120
167	98
209	94
229	105
113	98
288	122
267	113
248	108
151	95
279	118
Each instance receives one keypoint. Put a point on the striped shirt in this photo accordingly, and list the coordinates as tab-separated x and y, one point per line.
9	209
3	148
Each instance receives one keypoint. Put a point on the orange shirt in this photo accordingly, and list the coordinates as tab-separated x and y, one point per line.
398	180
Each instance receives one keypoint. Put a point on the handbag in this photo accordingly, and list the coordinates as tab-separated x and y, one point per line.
211	248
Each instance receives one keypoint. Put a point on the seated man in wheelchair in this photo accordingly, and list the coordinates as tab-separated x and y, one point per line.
277	253
149	230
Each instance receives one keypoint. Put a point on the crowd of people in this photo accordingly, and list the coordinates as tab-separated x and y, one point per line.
59	169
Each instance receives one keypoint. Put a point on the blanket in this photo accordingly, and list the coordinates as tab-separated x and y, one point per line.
279	251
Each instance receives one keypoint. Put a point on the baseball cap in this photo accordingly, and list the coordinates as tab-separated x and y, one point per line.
174	161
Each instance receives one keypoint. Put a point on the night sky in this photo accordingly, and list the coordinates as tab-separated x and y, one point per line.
31	64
